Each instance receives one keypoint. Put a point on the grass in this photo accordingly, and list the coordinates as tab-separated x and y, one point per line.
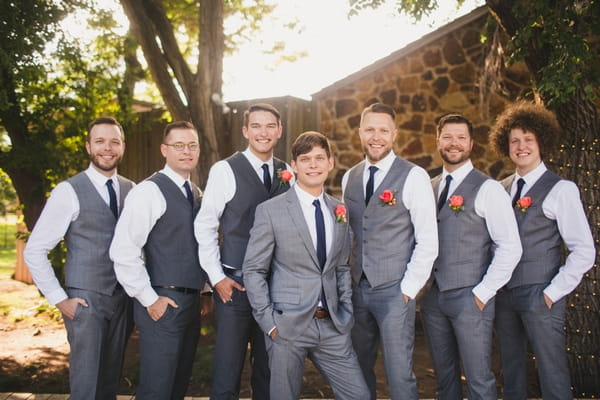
8	251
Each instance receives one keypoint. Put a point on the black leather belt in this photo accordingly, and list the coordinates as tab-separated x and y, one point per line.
236	272
178	289
321	313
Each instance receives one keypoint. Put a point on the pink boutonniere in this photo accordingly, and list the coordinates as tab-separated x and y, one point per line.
456	204
388	198
284	176
340	213
524	203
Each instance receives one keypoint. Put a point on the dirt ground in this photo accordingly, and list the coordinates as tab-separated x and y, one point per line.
34	357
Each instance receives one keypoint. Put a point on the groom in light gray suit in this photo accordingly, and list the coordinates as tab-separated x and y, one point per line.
298	281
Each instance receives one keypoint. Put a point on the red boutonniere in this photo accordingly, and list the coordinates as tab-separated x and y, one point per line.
523	203
456	204
388	198
340	213
284	176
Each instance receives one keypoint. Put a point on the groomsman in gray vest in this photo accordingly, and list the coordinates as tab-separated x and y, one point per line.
479	249
156	261
549	213
298	279
84	210
392	216
234	188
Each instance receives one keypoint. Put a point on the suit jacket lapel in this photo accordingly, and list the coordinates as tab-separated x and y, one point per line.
337	231
297	219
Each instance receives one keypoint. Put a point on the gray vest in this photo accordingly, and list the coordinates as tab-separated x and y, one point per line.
383	235
238	215
540	237
171	249
88	238
465	246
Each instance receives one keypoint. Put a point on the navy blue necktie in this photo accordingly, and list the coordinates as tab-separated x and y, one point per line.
266	177
520	184
370	184
320	223
112	198
188	193
321	248
444	195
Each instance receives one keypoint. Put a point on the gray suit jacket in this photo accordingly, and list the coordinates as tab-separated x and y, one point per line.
281	271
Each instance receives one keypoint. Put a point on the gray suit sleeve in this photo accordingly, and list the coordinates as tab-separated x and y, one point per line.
257	267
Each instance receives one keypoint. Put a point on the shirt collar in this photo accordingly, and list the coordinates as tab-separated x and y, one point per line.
98	178
257	162
383	165
460	173
307	198
175	177
532	176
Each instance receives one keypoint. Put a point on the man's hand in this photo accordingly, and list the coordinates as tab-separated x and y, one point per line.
273	334
479	303
206	305
158	308
68	306
406	299
549	302
225	288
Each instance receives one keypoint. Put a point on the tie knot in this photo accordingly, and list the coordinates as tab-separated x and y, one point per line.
109	182
372	170
520	183
448	179
317	203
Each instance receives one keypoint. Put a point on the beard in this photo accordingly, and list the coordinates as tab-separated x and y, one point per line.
103	165
464	156
374	157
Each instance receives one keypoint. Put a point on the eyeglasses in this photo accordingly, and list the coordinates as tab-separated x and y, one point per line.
180	146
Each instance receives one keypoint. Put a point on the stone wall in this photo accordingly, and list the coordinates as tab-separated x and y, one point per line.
435	75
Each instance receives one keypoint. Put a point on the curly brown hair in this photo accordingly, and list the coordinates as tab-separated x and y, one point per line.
529	117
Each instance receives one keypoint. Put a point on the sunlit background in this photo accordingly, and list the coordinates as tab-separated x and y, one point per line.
326	45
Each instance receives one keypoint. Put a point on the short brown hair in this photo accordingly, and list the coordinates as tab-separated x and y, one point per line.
261	107
379	108
529	117
454	118
178	125
104	121
307	141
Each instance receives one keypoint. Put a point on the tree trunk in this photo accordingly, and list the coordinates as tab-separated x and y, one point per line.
577	160
191	98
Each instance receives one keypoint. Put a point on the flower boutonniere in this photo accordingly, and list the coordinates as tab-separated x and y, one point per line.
524	203
456	204
340	213
284	176
388	198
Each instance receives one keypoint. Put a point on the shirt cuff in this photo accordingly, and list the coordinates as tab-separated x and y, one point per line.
553	293
147	297
56	296
483	293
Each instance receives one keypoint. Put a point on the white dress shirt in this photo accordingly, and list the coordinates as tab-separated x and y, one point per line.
308	210
144	205
220	189
493	205
563	204
417	197
62	208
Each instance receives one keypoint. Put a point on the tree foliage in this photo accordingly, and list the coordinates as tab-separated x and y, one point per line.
51	87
